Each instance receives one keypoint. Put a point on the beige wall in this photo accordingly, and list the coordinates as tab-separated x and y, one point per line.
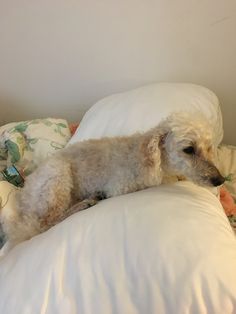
57	57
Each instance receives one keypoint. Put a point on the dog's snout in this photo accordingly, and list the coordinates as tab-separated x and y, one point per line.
217	180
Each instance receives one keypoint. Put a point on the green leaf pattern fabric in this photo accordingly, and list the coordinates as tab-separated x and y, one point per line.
26	144
14	151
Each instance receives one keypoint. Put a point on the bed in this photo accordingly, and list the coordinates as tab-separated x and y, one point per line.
167	249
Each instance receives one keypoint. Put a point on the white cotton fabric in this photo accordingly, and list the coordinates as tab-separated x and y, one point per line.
144	252
143	108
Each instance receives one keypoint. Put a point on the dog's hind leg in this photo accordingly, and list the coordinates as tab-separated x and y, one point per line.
42	224
48	189
47	192
50	220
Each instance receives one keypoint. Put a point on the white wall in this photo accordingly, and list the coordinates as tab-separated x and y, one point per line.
72	52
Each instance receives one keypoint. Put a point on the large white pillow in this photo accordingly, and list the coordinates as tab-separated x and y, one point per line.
140	253
143	108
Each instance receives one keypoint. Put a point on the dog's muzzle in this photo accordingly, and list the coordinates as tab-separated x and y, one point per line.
218	180
212	175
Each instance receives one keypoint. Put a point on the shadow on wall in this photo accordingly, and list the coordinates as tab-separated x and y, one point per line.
14	110
11	111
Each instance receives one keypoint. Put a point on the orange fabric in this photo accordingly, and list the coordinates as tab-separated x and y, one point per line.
227	202
73	128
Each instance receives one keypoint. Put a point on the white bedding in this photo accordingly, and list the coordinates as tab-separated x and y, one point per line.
143	108
144	253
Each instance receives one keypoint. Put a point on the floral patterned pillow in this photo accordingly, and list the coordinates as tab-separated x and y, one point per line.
26	144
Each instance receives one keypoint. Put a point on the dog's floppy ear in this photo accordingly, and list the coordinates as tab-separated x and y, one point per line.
163	138
152	148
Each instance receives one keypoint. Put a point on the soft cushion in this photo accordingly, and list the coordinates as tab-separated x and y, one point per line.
26	144
143	108
139	253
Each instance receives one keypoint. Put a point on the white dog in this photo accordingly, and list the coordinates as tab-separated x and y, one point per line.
79	175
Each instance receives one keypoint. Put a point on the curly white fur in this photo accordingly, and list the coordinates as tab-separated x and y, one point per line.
77	176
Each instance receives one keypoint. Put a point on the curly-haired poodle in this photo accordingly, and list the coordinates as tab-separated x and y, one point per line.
79	175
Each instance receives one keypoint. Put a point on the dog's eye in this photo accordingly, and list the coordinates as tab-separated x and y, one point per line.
189	150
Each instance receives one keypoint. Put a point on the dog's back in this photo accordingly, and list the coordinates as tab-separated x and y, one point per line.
110	166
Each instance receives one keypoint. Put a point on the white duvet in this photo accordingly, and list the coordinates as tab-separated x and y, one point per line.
168	249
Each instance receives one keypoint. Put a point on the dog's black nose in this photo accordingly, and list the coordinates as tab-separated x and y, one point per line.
217	180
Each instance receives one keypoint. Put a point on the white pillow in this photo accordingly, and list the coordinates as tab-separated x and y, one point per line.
139	253
143	108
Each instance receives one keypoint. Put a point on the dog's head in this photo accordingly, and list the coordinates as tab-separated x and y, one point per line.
187	149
